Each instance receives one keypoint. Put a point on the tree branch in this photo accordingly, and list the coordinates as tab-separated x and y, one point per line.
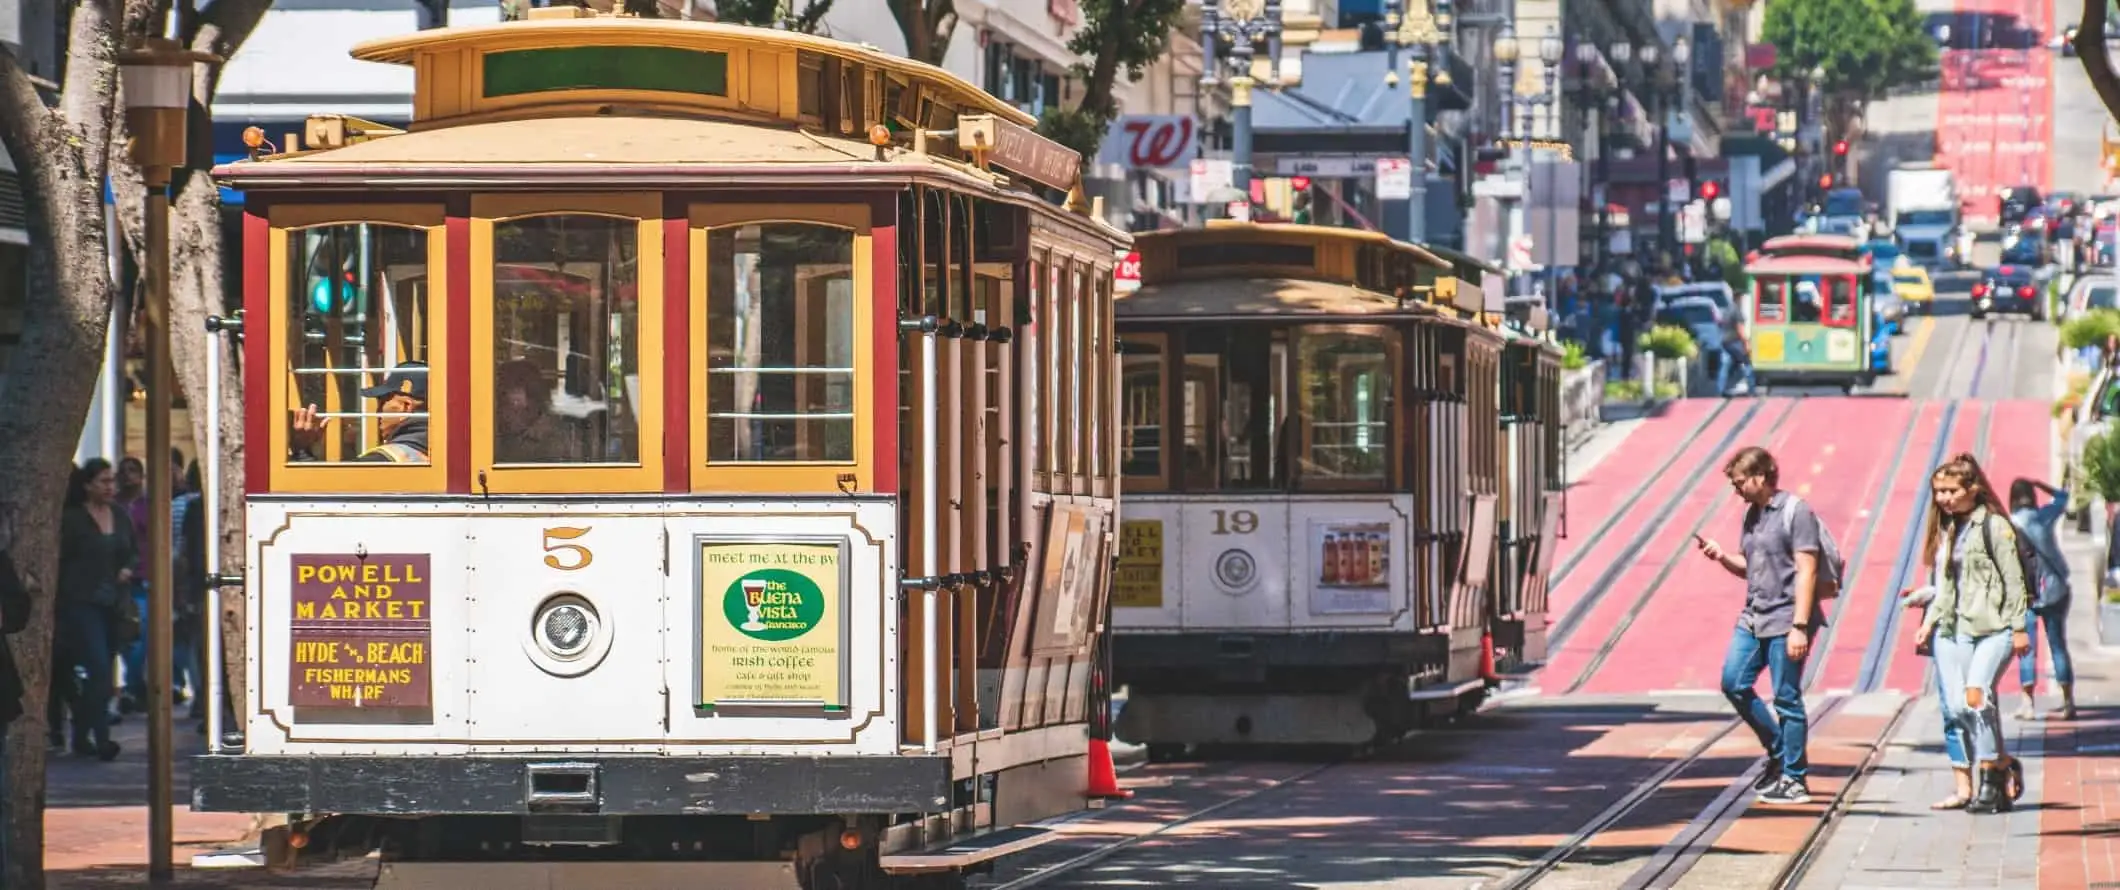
2097	62
24	118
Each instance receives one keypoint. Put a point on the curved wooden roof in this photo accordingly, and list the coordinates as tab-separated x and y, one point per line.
679	34
595	140
1316	234
1256	298
1811	242
1804	265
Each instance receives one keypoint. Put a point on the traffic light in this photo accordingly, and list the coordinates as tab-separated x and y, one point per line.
1841	148
1825	181
1710	190
1299	183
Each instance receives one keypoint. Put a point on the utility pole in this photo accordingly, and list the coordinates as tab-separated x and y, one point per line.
1243	24
1416	32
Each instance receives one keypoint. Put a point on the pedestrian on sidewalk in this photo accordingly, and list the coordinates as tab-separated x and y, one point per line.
1779	560
96	558
2050	595
1974	623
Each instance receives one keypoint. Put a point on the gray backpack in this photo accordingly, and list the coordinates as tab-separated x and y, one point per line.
1832	568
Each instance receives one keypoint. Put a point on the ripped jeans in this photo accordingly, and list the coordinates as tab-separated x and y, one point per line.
1969	668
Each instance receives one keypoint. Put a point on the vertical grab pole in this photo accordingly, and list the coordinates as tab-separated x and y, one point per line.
929	555
210	501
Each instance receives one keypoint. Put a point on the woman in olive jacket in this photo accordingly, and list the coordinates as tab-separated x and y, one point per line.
1975	621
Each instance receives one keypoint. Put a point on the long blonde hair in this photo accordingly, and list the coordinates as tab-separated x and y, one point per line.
1965	470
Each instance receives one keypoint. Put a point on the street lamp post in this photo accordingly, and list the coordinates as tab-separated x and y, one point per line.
156	79
1666	228
1416	32
1587	100
1243	25
1550	48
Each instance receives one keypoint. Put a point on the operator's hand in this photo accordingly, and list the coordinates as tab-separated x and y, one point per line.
305	428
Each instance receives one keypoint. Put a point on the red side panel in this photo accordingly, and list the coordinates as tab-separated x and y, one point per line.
677	333
258	414
457	378
883	267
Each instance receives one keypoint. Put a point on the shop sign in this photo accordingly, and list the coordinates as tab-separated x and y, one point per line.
1351	574
362	631
772	623
1137	583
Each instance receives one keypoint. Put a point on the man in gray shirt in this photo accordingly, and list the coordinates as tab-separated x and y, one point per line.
1779	562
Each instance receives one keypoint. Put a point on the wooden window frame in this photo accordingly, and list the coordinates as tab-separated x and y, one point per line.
646	210
1848	291
793	477
1162	480
1395	438
287	220
1759	303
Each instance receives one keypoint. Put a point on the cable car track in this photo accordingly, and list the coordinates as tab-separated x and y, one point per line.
1568	565
1566	625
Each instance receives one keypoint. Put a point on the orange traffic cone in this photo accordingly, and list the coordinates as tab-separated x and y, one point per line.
1487	658
1103	777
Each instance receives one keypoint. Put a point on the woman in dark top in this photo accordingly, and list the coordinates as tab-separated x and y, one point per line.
96	555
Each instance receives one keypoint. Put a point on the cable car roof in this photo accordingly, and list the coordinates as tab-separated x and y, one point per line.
1219	229
1804	265
1811	242
1256	298
677	34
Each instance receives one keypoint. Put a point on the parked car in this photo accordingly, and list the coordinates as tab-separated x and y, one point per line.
2016	202
2010	288
1715	292
1700	316
2094	291
2101	400
1914	288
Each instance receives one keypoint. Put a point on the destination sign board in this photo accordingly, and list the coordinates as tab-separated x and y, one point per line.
1019	150
362	633
772	623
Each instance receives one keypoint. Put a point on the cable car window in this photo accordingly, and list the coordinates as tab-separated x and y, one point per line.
1141	408
566	340
780	343
1806	301
1200	395
1773	301
1344	404
1840	300
1254	416
358	337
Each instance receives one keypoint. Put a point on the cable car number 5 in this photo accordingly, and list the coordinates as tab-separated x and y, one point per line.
580	556
1227	522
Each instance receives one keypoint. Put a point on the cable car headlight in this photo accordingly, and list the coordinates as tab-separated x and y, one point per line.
567	636
564	628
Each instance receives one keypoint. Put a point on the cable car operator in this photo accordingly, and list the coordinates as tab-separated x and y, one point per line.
402	393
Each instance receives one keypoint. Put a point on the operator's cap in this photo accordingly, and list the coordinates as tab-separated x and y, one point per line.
409	379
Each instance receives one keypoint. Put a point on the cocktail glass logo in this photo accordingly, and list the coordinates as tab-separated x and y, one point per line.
773	605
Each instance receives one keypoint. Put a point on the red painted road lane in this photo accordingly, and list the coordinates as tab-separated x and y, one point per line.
1567	665
2019	448
1669	479
1855	616
1633	463
1679	641
1995	116
1908	672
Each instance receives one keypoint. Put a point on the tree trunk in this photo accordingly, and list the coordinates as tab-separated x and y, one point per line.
196	291
46	392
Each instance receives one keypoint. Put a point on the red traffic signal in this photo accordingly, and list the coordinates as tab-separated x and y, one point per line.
1710	190
1841	147
1826	181
1301	183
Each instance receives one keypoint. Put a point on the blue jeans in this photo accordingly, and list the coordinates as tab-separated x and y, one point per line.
134	655
1953	736
1968	668
1783	731
87	635
2056	646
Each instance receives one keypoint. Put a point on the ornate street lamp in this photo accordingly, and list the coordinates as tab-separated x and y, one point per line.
155	76
1242	23
1417	32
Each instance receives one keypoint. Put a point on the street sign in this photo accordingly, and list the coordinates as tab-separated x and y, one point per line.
1209	174
1394	179
1151	141
1126	276
1694	222
1520	252
1324	167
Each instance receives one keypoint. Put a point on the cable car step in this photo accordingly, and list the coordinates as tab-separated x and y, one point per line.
969	851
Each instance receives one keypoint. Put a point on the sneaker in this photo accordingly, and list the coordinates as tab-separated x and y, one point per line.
1787	791
1768	777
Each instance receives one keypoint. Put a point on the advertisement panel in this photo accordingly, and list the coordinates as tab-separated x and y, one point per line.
1351	568
362	634
772	623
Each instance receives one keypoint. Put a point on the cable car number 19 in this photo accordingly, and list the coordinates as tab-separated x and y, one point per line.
1237	522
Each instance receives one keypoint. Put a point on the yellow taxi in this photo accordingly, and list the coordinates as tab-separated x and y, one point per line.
1913	287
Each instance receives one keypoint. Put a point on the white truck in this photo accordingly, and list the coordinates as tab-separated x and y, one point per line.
1923	202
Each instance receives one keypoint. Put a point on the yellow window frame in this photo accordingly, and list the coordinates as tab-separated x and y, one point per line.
785	476
1161	480
585	478
287	220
